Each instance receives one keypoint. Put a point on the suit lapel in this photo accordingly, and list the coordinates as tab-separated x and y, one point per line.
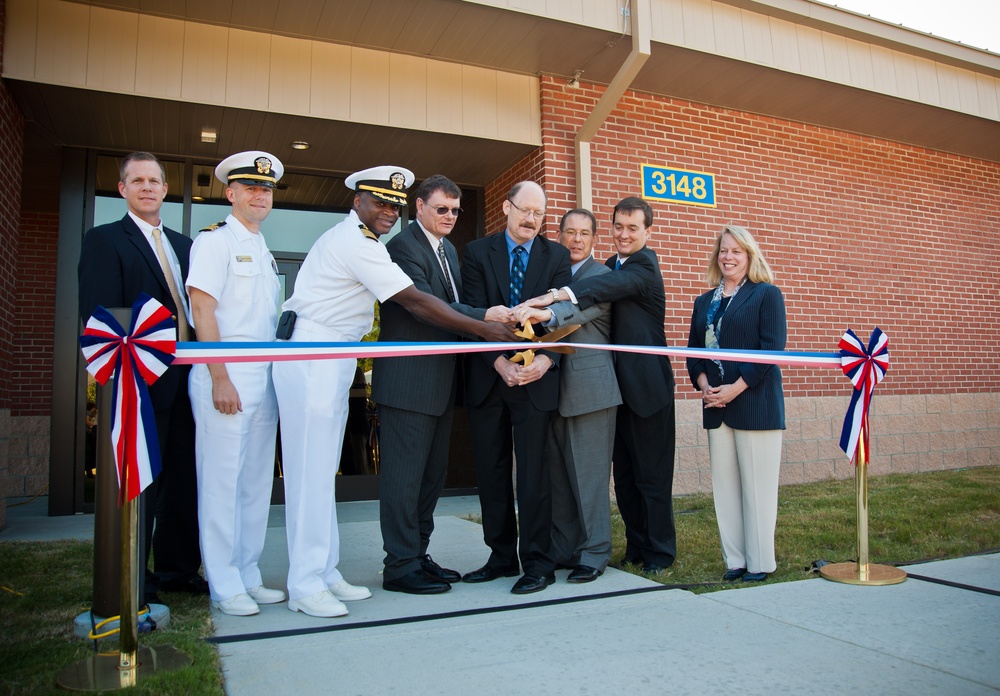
136	237
586	269
742	297
500	260
456	274
537	262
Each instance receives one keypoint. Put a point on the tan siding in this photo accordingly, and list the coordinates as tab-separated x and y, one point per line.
927	81
111	64
836	58
479	98
21	38
206	50
989	96
785	45
159	60
906	76
408	91
757	39
61	52
728	31
444	115
248	56
330	89
290	75
369	86
698	30
859	59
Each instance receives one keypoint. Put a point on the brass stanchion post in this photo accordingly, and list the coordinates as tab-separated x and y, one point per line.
108	671
862	572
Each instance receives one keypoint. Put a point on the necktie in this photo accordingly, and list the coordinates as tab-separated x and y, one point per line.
517	276
161	254
447	274
618	263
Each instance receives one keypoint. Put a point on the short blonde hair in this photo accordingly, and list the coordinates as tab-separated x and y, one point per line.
757	269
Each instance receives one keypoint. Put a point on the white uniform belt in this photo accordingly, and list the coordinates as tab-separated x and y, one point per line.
315	329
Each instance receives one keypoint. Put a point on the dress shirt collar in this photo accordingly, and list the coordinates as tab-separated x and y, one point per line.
511	244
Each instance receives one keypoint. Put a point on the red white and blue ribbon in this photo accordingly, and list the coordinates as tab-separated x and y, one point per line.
224	352
865	367
133	359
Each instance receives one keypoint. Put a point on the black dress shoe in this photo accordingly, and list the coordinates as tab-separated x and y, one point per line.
532	583
428	565
755	577
417	582
583	573
653	568
629	561
734	574
191	584
488	572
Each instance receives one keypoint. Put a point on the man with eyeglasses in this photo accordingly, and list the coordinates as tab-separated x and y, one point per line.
510	404
346	270
416	395
582	431
644	432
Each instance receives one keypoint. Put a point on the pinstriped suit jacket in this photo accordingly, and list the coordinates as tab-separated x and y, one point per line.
754	320
422	384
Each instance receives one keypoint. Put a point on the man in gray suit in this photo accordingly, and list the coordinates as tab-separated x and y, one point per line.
416	395
582	433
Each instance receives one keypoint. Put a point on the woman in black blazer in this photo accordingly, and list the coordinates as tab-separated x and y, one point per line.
744	409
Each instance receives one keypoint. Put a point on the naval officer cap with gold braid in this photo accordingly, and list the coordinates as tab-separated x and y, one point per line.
253	168
385	183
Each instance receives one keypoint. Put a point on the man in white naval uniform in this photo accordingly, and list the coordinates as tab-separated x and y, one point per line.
233	287
346	270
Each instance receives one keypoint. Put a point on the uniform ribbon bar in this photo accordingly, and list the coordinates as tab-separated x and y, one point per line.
134	360
865	367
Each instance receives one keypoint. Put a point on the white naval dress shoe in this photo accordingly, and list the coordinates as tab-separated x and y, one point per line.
238	605
265	595
322	604
346	592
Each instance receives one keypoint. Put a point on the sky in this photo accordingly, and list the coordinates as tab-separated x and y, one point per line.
973	22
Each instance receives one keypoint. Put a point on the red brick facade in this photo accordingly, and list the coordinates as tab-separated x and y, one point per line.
31	371
11	150
860	231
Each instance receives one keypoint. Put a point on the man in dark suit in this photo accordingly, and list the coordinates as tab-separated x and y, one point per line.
416	395
119	261
644	438
503	396
582	432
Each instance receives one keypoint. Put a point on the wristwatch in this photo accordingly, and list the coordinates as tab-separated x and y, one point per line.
555	294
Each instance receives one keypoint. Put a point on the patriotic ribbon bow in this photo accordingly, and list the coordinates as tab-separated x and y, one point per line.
865	368
134	359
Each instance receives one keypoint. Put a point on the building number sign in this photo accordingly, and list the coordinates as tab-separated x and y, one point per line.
678	186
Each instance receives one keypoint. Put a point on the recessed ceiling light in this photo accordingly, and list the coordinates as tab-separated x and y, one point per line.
300	145
209	136
197	198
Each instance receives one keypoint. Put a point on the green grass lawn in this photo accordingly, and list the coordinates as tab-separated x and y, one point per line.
911	518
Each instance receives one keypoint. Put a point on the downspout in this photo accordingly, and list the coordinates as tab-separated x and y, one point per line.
640	18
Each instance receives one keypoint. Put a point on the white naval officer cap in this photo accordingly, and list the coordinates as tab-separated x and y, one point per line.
253	168
386	183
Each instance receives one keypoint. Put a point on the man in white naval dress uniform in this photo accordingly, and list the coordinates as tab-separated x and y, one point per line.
233	287
346	270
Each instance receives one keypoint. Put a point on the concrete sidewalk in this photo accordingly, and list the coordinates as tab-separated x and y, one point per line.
620	634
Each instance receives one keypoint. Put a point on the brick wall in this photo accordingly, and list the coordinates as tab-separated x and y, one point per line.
31	387
11	150
860	232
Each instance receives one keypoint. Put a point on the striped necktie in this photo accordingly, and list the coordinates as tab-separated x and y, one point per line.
447	273
517	276
168	274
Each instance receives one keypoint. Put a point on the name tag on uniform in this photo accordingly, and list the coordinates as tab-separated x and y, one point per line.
244	259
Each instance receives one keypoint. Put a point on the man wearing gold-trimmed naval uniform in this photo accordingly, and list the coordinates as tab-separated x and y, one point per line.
233	285
346	270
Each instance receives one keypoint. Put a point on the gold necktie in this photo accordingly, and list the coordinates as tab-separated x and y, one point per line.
161	253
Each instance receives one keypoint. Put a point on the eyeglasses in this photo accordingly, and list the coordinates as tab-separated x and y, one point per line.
583	234
538	214
444	210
